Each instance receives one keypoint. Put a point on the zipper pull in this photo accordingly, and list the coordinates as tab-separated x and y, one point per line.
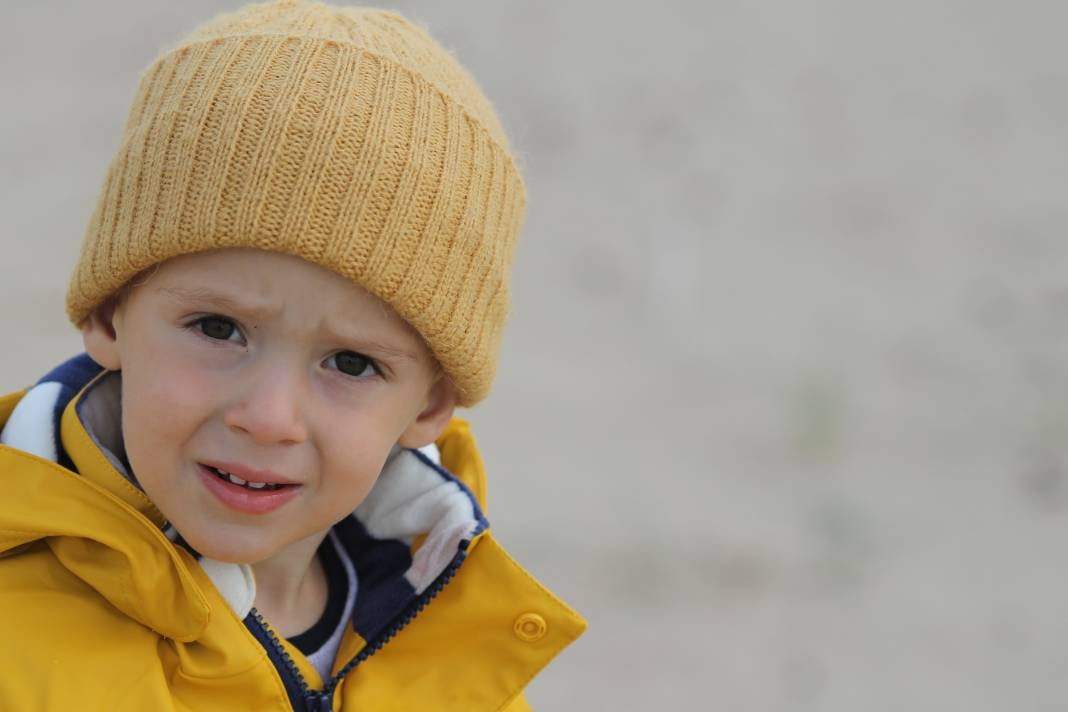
318	702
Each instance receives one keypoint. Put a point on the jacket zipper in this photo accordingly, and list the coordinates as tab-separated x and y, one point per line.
301	695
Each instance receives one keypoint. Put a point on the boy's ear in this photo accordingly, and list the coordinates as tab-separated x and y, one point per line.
99	336
431	421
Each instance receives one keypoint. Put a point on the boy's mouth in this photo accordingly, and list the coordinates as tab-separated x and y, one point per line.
234	479
247	489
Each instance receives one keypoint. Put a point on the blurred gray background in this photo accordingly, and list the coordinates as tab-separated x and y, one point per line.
783	402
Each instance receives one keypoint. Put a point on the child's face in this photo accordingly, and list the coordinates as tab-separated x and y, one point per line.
275	369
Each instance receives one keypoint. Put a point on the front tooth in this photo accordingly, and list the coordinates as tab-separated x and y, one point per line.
236	480
257	485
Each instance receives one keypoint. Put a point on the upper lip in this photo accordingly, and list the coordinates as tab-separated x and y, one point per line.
249	474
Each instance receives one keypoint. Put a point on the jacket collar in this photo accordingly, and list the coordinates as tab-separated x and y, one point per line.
413	499
490	634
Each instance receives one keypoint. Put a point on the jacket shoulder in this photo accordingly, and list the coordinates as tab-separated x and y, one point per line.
48	636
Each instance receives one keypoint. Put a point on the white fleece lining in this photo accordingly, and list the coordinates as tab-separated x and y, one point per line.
24	428
412	498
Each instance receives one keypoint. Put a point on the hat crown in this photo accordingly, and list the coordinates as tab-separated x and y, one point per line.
382	32
344	136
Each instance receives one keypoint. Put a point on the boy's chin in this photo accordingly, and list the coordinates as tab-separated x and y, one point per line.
234	550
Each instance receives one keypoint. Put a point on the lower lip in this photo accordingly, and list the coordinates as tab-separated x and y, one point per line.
243	499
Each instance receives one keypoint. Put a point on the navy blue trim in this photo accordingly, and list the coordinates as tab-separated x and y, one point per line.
74	372
297	689
380	567
72	376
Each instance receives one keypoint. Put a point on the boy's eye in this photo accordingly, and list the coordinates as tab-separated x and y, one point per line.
216	327
352	363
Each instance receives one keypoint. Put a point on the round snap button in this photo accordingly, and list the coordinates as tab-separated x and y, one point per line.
530	627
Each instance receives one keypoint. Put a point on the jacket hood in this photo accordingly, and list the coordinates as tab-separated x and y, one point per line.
414	527
76	529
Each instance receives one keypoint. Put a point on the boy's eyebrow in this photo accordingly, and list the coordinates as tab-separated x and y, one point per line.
203	294
363	342
380	348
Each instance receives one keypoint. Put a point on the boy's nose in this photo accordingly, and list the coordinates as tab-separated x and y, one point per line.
269	408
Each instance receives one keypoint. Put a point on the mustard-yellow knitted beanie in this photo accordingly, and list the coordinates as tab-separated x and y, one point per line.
345	136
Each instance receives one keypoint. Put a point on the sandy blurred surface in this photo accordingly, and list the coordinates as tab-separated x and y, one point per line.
782	405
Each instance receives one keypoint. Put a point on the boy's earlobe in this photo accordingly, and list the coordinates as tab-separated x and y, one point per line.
99	336
431	422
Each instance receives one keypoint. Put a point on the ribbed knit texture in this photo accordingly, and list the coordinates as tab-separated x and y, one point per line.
344	136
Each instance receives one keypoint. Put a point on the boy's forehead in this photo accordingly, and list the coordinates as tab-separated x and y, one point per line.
255	275
273	285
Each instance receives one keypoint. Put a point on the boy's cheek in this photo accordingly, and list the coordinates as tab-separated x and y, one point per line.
166	371
163	400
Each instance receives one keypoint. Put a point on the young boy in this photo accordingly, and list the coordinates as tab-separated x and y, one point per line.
251	493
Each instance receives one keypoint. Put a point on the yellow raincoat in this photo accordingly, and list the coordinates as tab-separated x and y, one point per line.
101	611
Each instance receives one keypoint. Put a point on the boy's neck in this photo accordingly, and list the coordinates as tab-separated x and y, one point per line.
291	587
